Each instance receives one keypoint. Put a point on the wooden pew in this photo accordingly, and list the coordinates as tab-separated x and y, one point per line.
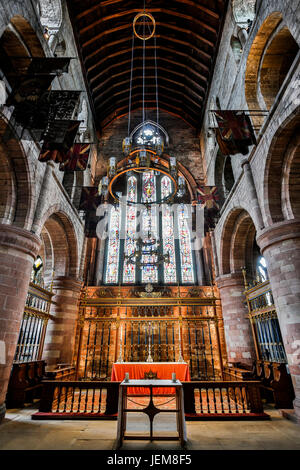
25	383
276	383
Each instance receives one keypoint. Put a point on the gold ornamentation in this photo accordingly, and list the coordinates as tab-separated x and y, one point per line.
151	18
150	375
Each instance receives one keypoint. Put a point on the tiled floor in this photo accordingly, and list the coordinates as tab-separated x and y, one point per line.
18	431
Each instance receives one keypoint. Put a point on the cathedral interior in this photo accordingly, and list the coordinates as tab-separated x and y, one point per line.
149	220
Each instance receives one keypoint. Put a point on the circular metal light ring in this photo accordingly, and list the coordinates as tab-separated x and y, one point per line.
147	15
145	168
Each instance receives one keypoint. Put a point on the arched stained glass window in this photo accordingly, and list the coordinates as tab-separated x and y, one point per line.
113	250
149	272
168	233
160	230
130	244
186	258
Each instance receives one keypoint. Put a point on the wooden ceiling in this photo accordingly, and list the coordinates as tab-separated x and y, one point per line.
187	38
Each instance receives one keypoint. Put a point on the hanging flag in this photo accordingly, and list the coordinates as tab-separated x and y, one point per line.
48	65
208	197
90	199
235	132
60	135
29	89
77	158
25	98
60	103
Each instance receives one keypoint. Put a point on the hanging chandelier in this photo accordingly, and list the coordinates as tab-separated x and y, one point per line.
147	253
145	154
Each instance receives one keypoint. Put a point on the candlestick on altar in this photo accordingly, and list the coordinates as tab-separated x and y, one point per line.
149	358
180	359
121	345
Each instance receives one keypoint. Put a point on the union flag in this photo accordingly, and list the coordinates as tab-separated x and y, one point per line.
208	197
76	159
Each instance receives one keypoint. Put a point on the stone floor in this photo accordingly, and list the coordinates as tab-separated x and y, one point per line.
18	431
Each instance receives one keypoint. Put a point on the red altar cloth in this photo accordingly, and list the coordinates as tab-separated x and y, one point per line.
137	370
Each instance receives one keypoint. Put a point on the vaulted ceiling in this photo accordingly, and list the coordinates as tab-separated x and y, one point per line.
187	38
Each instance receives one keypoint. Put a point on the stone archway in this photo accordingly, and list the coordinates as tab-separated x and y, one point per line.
237	236
275	64
61	261
281	181
16	189
260	41
238	250
64	243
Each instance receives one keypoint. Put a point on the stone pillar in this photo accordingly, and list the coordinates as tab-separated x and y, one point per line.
18	249
280	245
60	336
237	327
252	194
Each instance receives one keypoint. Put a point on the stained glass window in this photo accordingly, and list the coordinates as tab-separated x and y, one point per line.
113	249
142	188
130	244
150	272
168	233
186	258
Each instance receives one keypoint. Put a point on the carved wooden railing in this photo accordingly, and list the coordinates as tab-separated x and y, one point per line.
227	399
67	399
202	400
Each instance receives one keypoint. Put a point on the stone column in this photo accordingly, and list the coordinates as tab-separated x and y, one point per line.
18	249
60	336
280	245
237	328
252	194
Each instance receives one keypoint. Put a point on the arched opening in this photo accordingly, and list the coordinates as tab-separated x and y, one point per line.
253	97
291	179
276	63
60	248
18	41
224	178
238	246
281	186
15	188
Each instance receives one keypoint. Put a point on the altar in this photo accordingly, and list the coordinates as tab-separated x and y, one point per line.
157	370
